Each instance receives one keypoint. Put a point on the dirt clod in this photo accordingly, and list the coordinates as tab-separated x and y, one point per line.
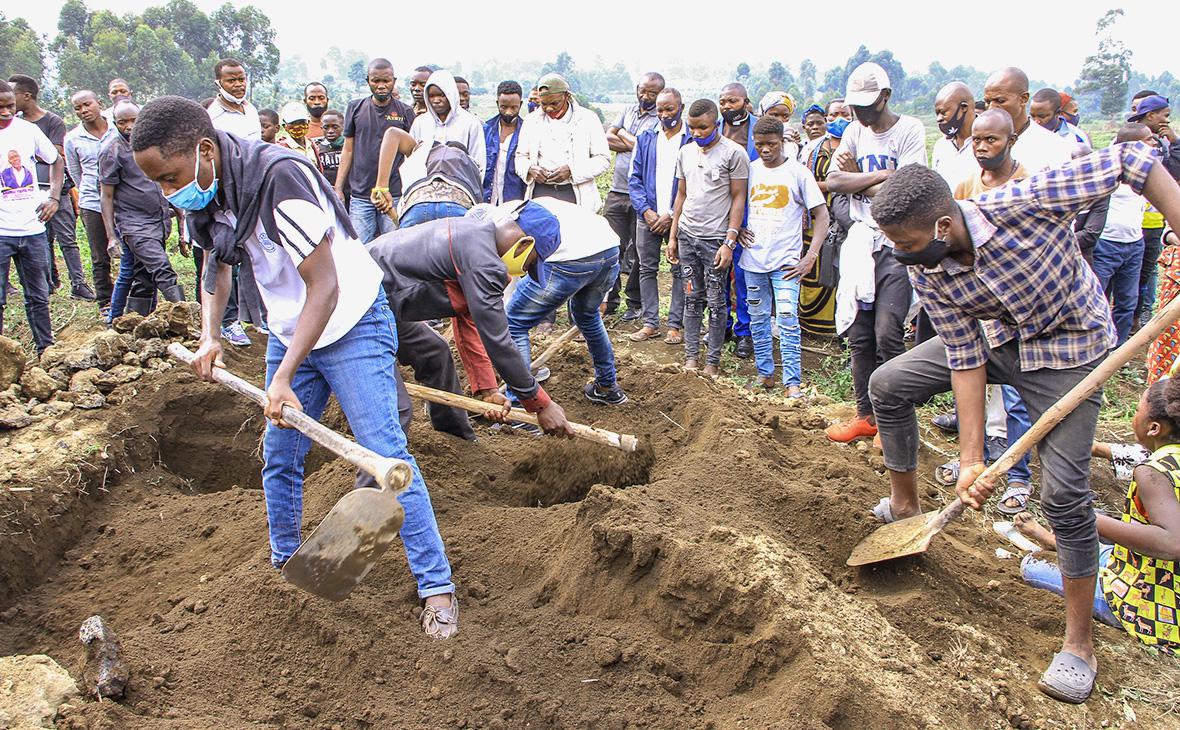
12	361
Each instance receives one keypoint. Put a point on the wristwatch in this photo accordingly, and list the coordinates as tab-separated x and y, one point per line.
731	245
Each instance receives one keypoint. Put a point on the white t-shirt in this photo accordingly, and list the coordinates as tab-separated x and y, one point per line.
902	144
1037	148
1124	218
780	200
23	143
245	125
666	153
304	217
583	232
953	164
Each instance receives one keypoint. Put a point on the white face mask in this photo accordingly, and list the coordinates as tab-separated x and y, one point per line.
230	97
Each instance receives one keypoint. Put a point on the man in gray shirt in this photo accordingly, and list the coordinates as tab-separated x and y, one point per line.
712	176
618	211
81	152
136	216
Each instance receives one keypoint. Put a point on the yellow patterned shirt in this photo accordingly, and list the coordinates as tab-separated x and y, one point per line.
1141	590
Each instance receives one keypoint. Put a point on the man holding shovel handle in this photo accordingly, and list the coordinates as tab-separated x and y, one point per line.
1013	303
331	330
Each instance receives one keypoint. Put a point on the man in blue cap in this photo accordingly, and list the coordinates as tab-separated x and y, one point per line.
459	267
1155	111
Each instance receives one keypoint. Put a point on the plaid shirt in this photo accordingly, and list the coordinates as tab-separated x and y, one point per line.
1029	280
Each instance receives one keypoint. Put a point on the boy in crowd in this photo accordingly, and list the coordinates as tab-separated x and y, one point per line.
712	176
332	332
295	120
782	195
268	119
329	146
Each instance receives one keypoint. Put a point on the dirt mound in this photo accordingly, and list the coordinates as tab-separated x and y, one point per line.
696	583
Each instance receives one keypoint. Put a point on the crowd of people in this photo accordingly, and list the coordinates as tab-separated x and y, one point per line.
1003	268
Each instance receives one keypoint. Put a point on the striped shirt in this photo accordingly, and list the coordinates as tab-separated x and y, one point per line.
1029	280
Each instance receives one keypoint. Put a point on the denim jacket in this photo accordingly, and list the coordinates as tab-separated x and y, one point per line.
513	185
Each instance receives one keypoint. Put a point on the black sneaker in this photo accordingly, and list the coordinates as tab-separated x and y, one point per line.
744	347
632	315
612	396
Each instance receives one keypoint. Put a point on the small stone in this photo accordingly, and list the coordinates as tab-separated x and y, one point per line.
12	361
477	590
448	655
36	383
605	650
14	416
157	682
87	401
130	358
512	660
862	447
312	683
435	693
117	376
110	346
84	381
152	326
82	358
106	672
993	585
208	531
837	470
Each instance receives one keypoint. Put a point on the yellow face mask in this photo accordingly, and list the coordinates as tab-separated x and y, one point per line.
516	257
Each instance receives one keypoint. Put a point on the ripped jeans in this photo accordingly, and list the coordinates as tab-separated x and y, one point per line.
761	290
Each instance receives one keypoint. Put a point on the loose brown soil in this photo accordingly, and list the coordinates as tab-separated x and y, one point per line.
697	583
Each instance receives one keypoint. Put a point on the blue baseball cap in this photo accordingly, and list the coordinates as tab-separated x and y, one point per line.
542	226
1146	105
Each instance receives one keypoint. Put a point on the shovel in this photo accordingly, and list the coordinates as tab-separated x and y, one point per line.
622	441
338	554
912	535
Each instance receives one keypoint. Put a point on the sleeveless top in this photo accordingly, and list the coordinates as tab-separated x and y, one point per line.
1141	590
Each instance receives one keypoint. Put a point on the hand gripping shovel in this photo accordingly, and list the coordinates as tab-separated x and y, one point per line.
338	554
913	534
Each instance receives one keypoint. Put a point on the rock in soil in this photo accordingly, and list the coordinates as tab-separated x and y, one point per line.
36	383
81	358
105	673
31	690
14	416
84	381
110	346
118	375
12	361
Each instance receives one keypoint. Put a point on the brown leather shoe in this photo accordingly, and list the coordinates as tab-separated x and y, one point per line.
643	334
441	623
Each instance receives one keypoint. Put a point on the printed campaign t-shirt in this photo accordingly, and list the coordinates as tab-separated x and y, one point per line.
706	174
781	199
286	235
21	145
902	144
365	123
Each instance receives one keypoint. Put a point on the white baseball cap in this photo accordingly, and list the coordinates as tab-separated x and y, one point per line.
294	111
865	84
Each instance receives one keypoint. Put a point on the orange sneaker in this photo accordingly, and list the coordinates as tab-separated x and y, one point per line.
858	427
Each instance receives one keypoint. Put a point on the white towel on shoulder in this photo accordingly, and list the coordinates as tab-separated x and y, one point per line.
857	274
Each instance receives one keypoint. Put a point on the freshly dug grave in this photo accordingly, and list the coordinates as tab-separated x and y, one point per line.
698	583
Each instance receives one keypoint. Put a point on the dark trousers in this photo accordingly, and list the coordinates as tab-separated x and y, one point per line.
62	229
877	335
150	254
231	304
922	373
621	216
100	259
31	255
1149	274
425	351
648	249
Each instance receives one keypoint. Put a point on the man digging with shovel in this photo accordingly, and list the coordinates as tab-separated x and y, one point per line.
1013	303
331	329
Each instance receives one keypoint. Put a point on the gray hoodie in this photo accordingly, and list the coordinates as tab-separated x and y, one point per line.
460	126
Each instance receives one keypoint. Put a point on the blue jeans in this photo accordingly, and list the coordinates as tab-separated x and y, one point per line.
1117	266
760	287
367	220
358	370
423	212
122	285
1018	424
741	314
1046	576
585	283
1149	274
31	254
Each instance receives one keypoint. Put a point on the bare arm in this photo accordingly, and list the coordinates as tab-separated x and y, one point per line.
208	355
969	388
345	166
820	220
620	140
1161	538
672	251
107	201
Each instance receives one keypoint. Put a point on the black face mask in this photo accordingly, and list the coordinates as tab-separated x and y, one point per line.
382	99
929	257
867	115
950	128
734	116
992	164
647	104
316	111
509	118
124	135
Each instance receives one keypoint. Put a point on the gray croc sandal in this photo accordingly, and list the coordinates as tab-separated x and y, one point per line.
883	512
1068	679
948	474
1019	492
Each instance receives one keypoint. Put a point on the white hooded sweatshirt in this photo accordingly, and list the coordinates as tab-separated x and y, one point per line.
460	126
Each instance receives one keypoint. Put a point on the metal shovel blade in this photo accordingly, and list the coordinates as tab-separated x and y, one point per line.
896	540
342	550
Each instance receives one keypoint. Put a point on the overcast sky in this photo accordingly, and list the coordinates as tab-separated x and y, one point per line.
1048	39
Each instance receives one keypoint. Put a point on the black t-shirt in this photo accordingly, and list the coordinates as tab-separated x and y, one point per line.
54	127
329	158
366	123
140	207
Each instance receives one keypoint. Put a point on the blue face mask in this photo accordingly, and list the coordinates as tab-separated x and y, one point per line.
836	128
706	141
533	106
191	196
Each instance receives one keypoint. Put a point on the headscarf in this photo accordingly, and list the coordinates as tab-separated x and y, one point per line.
773	99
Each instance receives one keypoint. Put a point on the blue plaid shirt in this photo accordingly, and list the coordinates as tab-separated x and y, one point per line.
1029	280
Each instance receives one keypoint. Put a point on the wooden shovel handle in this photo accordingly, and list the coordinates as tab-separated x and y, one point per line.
549	352
390	473
1163	319
622	441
